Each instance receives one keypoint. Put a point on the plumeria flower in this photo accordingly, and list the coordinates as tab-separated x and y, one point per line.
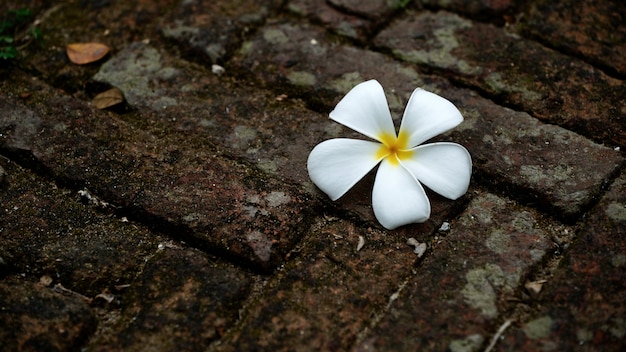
398	197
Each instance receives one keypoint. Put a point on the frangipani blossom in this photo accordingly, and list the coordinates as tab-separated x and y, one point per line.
398	198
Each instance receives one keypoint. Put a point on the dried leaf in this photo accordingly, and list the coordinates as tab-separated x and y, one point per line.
420	247
218	70
534	287
106	296
108	98
360	244
85	53
45	280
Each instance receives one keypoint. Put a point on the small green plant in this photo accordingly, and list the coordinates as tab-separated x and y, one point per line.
402	4
10	37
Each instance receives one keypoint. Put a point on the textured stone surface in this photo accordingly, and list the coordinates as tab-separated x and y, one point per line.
375	9
487	10
37	318
583	305
176	98
305	61
544	159
560	171
184	217
225	204
551	86
59	234
458	292
348	25
285	56
594	29
63	22
183	300
214	29
328	293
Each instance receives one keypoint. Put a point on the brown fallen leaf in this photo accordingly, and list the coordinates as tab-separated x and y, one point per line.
45	280
534	287
85	53
108	98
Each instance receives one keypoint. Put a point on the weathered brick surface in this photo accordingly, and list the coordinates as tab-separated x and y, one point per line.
458	292
595	30
177	98
184	218
374	9
328	293
486	10
183	300
65	22
49	232
225	204
560	171
37	318
214	29
305	60
342	23
584	304
544	159
550	86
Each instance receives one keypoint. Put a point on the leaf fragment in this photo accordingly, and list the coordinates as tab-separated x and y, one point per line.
85	53
360	244
108	98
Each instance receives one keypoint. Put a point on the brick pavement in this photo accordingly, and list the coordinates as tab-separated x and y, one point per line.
185	219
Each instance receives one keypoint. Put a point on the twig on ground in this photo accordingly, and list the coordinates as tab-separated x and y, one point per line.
495	337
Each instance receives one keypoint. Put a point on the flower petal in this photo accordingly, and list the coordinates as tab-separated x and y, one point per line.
338	164
398	199
427	115
365	110
444	167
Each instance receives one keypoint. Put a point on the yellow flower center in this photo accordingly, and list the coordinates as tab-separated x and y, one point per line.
396	148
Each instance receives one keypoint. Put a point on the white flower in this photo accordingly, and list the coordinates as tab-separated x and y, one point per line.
398	197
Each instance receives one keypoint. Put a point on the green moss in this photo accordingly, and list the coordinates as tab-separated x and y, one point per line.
616	212
538	328
499	86
468	344
11	37
479	291
439	53
275	36
131	71
346	82
498	241
301	78
275	199
482	285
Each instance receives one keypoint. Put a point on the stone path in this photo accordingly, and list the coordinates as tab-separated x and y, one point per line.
184	219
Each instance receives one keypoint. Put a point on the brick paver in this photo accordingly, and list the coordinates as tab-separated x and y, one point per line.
550	86
584	306
593	30
184	218
461	290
